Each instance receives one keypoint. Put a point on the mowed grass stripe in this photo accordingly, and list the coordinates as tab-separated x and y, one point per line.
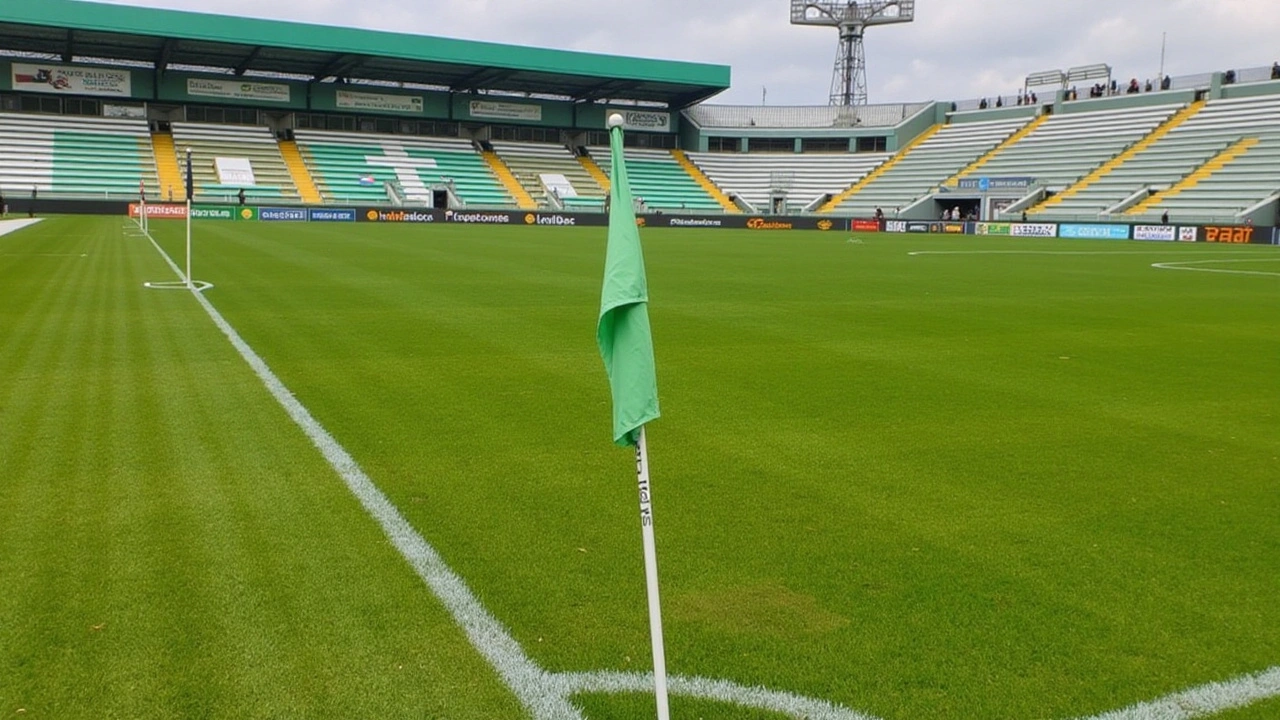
172	546
878	481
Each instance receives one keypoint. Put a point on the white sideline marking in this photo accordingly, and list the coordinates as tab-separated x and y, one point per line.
547	695
1185	266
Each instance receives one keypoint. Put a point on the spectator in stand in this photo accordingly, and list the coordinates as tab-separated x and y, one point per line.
1033	100
1020	99
1166	83
1149	87
1115	87
879	215
982	105
1164	218
1275	71
240	196
999	101
1229	78
1133	87
1073	94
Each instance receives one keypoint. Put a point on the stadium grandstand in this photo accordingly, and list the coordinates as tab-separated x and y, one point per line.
99	102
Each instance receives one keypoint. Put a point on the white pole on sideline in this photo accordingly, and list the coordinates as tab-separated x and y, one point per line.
651	578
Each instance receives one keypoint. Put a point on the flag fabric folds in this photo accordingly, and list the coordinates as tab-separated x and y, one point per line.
191	185
623	330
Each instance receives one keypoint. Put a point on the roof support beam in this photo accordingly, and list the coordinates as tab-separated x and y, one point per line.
338	66
248	60
605	90
477	79
69	51
166	53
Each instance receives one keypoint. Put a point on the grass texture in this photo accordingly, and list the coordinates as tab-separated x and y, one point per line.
947	486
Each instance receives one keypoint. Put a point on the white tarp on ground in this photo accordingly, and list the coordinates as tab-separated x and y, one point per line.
235	171
8	226
558	184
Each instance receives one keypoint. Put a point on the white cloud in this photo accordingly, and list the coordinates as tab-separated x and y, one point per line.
956	49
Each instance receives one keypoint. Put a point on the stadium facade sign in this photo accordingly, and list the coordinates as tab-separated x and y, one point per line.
643	120
379	102
495	110
954	228
1166	233
919	227
331	215
130	112
1093	232
895	226
68	80
275	214
987	184
1043	230
1187	233
238	90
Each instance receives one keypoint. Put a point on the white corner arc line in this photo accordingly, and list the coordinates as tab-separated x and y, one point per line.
1204	701
546	695
757	698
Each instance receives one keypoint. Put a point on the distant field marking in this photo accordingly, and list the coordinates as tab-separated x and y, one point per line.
1183	266
546	695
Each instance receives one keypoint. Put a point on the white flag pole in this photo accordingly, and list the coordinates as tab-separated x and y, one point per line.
651	578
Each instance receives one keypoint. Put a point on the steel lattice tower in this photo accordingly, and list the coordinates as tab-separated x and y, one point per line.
849	77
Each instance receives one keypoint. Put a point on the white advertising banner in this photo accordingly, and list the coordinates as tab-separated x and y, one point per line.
1155	232
238	90
505	110
379	102
67	80
1033	230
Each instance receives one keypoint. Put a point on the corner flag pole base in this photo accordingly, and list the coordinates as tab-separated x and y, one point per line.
197	286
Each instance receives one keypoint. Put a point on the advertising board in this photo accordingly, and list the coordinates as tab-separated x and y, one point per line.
1165	233
1043	230
1093	231
275	214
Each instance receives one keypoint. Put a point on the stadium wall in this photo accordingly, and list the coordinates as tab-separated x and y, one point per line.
1126	102
1269	87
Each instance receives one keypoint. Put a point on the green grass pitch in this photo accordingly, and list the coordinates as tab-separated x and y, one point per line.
1004	485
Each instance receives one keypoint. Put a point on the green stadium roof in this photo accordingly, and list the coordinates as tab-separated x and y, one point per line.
70	28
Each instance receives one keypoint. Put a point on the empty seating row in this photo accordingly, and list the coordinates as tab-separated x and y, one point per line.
1217	126
659	181
929	164
1066	147
75	156
351	167
801	178
534	164
257	145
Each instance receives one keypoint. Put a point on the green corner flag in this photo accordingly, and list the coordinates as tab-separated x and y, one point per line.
623	330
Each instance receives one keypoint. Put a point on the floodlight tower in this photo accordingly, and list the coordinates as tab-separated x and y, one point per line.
849	80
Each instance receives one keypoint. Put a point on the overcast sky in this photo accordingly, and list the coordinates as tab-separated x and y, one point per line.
955	49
